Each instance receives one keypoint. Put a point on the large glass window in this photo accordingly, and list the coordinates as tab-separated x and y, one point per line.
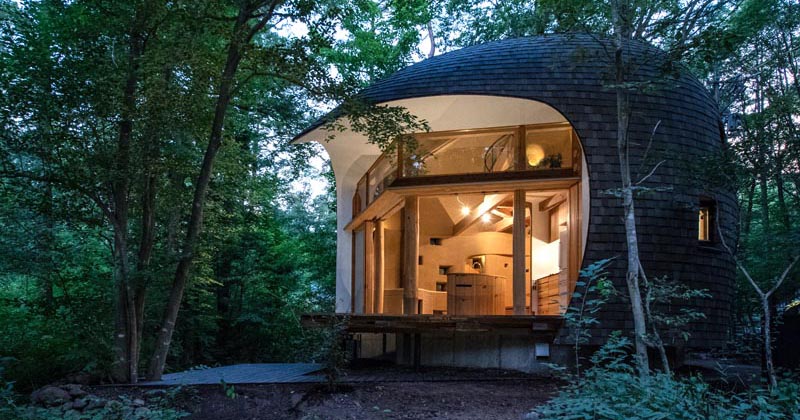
461	154
380	176
548	148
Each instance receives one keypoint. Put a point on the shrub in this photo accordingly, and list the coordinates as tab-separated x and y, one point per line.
611	389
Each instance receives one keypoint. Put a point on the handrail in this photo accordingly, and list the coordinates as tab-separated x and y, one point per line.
490	167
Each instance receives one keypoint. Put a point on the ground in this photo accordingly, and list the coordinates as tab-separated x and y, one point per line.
484	395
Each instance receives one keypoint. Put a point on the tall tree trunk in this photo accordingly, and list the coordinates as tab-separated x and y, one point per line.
621	34
126	337
242	34
146	244
748	215
47	279
784	209
764	200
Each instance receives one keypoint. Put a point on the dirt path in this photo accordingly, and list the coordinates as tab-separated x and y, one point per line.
470	399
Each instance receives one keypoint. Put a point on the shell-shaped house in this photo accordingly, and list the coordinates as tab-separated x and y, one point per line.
466	251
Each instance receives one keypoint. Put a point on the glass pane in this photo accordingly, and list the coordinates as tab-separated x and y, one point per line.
362	192
462	154
381	176
548	148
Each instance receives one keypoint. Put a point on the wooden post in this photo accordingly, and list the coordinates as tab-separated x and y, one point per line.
575	239
378	276
520	155
369	270
410	254
518	249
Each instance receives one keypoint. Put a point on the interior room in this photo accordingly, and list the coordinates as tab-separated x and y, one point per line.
466	254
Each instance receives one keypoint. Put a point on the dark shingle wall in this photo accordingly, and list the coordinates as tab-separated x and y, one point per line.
570	73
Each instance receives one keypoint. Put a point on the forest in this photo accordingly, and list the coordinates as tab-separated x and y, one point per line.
156	217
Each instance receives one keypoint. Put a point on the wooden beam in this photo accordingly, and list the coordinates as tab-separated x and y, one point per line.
410	254
369	266
385	203
538	175
353	272
481	183
518	248
540	327
504	224
552	202
575	236
378	266
520	156
489	202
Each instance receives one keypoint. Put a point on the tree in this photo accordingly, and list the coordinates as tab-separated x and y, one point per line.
683	29
110	104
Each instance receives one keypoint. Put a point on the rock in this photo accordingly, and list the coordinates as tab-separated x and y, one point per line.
142	413
114	405
95	403
80	403
74	390
138	402
296	399
531	416
81	378
50	396
155	393
66	406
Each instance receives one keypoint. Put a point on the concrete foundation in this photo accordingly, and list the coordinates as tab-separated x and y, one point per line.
496	351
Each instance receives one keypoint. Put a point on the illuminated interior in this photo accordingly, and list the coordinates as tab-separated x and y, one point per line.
465	239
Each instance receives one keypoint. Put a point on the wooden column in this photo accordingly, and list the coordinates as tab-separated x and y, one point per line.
518	259
378	241
369	264
410	254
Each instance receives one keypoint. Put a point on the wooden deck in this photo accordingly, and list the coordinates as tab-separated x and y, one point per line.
544	326
256	373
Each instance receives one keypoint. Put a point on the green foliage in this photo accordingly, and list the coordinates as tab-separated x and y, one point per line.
611	389
267	251
336	355
592	291
666	312
228	389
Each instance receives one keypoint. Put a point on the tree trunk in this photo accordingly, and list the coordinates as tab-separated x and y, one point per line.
239	37
784	209
748	215
768	341
764	201
126	337
146	243
623	114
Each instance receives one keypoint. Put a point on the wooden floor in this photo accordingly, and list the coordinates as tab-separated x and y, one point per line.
259	373
530	325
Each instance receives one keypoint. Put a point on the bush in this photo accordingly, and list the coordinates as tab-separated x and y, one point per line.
611	389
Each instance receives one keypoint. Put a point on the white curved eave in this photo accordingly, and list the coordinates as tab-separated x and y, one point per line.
351	155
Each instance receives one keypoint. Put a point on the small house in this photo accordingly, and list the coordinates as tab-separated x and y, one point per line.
467	250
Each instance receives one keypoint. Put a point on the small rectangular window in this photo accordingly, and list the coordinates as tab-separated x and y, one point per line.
705	220
703	233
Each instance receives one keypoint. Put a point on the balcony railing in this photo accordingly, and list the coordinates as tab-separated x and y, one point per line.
540	151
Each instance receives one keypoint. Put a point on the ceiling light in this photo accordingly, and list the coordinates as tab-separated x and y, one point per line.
486	218
464	210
